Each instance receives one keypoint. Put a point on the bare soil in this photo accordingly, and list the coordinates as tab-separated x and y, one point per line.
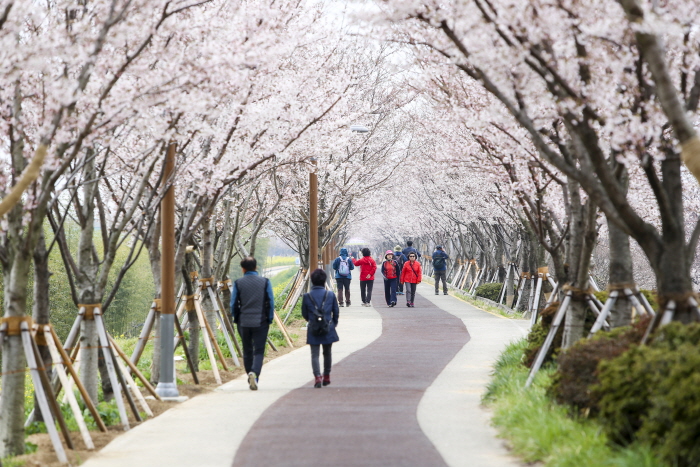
46	457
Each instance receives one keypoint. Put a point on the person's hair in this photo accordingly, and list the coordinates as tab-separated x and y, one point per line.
366	252
409	243
249	263
318	277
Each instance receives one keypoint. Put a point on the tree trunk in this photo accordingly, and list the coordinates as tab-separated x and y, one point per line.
192	319
41	308
207	271
13	360
584	233
620	272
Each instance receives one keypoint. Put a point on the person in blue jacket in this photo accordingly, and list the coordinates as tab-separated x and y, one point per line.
409	249
343	265
253	308
440	269
326	302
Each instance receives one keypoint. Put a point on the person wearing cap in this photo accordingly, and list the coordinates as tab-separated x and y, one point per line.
390	271
400	259
440	269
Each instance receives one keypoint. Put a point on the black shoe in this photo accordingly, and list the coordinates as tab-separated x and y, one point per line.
392	304
348	304
408	304
340	304
438	293
445	293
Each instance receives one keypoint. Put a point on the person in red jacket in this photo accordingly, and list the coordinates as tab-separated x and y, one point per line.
411	275
368	266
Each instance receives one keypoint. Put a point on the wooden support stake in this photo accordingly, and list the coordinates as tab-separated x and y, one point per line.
40	394
72	401
67	361
134	389
229	326
111	370
190	363
219	313
283	329
145	334
133	368
558	317
207	344
269	341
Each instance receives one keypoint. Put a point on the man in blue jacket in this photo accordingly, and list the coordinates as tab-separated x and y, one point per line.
253	308
409	249
440	267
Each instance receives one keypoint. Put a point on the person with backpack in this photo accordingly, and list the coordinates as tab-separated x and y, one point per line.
320	308
368	266
342	265
390	271
411	275
253	308
440	269
400	259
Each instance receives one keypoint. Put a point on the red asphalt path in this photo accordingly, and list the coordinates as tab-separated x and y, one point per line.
367	416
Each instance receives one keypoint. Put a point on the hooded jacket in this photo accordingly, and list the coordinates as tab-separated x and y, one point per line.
336	264
367	266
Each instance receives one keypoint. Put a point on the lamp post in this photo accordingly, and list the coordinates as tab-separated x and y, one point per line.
313	217
166	380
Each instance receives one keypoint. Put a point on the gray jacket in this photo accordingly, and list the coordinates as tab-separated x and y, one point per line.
252	301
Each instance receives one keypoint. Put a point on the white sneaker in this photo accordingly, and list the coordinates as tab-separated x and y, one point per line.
252	381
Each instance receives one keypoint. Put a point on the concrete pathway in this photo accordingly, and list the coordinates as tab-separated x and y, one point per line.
405	390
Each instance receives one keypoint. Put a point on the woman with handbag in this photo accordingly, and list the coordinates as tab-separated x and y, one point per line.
390	271
411	275
320	309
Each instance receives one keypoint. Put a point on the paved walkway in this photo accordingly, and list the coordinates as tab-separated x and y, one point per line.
405	390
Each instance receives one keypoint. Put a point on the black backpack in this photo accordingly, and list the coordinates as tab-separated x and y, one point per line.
318	324
439	262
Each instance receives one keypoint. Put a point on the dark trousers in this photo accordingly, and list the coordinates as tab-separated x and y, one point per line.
327	359
390	290
399	285
440	275
366	291
343	282
410	292
253	340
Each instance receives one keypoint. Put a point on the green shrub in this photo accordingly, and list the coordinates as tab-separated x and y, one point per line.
489	291
538	334
577	366
650	394
542	432
649	294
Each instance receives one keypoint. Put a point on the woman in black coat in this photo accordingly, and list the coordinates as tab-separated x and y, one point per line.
326	302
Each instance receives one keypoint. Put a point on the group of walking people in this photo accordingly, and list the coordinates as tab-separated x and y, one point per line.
253	302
